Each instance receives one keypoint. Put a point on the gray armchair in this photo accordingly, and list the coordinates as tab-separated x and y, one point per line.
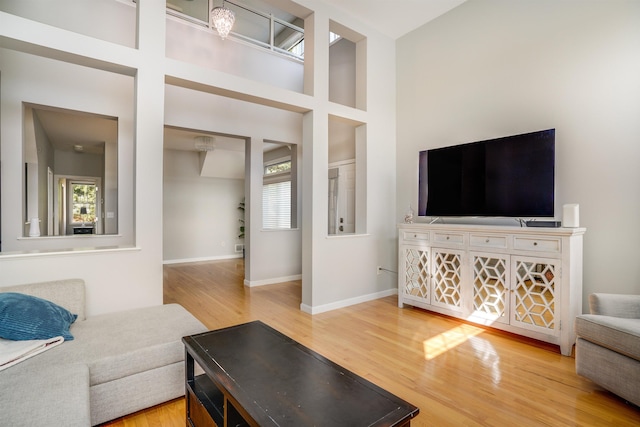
608	344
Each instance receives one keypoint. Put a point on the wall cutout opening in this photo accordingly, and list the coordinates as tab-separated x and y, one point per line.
347	67
71	179
343	174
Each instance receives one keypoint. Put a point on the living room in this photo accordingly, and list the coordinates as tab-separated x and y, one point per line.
484	69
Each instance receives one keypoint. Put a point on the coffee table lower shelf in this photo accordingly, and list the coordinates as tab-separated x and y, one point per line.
206	404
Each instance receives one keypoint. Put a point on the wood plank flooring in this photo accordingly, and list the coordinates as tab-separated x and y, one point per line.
458	374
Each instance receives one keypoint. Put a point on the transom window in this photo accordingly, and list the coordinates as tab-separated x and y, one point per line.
280	167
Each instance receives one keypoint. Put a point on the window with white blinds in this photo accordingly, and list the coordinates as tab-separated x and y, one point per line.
276	205
276	193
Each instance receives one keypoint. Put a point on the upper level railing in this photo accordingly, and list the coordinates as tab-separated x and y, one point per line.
278	34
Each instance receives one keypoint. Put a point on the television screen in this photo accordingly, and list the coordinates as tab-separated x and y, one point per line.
511	176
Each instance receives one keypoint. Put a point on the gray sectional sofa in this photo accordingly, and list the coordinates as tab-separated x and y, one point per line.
117	363
608	344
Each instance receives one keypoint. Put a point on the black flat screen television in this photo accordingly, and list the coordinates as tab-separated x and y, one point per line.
511	176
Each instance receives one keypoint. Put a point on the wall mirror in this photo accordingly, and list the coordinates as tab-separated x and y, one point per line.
279	185
71	177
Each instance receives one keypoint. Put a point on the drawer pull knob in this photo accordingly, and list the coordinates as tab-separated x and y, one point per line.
447	237
415	236
535	243
486	241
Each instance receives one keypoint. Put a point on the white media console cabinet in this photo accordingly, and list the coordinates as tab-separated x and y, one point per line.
522	280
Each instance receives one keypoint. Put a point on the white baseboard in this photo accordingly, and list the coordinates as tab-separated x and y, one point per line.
347	302
214	258
254	283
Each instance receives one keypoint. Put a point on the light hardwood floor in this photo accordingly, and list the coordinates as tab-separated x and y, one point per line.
458	374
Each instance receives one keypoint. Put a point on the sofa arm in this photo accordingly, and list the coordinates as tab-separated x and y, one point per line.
616	305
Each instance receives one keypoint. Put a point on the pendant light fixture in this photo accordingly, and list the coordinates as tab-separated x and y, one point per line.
222	19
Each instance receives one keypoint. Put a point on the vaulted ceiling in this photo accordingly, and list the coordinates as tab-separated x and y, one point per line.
395	18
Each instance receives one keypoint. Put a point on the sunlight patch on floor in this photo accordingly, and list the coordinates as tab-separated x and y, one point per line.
435	346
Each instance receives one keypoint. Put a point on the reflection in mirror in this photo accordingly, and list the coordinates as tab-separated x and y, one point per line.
71	180
279	186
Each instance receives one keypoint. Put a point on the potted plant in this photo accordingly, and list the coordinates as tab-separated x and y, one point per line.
241	220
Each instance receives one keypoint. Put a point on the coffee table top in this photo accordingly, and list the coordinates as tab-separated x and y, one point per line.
280	382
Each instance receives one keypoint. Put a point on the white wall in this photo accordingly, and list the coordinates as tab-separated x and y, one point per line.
221	163
342	141
109	20
45	158
206	48
342	72
200	214
493	68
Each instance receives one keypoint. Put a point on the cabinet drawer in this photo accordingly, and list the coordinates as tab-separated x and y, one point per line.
449	238
537	245
488	241
415	236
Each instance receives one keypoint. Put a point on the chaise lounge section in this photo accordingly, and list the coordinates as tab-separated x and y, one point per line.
117	363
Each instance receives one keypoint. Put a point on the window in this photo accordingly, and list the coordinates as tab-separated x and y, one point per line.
276	195
280	167
83	204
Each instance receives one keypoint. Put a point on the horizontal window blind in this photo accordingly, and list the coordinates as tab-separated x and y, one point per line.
276	205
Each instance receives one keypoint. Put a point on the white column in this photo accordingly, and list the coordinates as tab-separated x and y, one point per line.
149	123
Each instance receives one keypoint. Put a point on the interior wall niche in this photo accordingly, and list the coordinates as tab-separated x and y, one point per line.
71	177
347	67
342	72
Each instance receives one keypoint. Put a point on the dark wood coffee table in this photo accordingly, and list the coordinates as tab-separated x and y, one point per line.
256	376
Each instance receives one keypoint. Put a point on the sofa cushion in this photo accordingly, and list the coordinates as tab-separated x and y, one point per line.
67	293
116	345
621	335
47	396
25	317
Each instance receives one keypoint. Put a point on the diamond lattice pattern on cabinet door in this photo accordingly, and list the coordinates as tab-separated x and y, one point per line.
489	286
446	287
535	294
417	273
